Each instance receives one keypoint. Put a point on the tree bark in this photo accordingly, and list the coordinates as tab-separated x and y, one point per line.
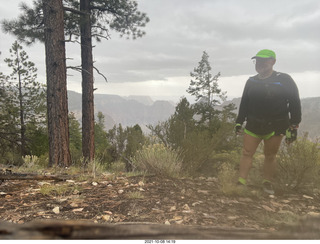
87	83
57	98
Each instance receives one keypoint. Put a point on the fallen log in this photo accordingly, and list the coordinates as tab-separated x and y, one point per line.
73	230
16	176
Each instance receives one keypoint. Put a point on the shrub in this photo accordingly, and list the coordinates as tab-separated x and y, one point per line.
299	165
158	159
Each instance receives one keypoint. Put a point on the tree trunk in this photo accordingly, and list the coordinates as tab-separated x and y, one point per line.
21	110
57	98
87	83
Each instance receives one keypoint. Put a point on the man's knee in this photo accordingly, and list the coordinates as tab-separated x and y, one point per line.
247	153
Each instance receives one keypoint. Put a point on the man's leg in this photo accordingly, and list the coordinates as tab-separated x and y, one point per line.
250	145
271	148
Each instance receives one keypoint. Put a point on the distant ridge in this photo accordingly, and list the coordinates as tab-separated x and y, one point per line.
143	110
126	111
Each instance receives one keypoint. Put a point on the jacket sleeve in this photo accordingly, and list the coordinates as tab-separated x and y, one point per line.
243	108
294	103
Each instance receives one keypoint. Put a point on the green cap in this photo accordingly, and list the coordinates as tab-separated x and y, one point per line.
265	53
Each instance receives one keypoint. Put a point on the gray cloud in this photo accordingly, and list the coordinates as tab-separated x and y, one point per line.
230	31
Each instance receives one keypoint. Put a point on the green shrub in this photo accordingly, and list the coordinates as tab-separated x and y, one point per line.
299	165
158	159
117	167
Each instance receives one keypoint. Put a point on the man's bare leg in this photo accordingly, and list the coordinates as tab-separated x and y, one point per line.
250	145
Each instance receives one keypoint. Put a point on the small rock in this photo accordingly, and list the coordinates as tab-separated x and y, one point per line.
43	183
186	207
196	203
74	205
167	222
120	191
56	210
232	217
62	199
94	183
313	214
212	179
77	210
177	218
173	208
285	201
307	197
107	218
267	208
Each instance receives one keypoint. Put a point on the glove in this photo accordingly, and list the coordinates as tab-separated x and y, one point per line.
237	129
291	134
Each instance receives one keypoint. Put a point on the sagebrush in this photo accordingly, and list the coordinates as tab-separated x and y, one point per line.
158	159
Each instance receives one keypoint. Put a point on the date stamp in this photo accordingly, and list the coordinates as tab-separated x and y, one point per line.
160	242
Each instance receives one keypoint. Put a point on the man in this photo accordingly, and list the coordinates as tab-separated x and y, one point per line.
271	107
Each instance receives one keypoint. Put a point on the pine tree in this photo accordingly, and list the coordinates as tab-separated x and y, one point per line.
204	86
25	97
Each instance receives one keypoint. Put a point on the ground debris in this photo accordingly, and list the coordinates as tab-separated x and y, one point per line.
184	202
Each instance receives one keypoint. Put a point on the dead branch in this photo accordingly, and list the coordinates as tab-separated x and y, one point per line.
16	176
105	78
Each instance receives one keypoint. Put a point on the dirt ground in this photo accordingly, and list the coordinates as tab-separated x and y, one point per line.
113	199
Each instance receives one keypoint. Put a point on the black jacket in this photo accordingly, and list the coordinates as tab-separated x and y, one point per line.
270	104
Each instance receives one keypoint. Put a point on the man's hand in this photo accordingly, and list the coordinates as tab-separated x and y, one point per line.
291	133
238	129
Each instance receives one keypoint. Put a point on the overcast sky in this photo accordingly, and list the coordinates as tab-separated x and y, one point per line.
230	31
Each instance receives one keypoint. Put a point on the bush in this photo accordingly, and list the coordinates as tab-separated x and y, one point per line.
158	159
299	165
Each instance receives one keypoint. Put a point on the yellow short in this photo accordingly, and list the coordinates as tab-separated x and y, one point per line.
262	137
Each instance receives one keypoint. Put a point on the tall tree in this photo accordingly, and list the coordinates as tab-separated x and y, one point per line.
87	82
57	100
204	86
24	93
88	19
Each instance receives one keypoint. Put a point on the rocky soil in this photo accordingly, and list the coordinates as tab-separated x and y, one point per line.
150	199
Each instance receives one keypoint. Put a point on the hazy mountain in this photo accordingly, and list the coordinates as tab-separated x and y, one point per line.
143	110
125	110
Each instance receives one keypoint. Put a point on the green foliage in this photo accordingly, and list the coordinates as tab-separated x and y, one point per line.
38	139
124	143
28	27
101	140
158	159
121	16
23	106
299	165
204	85
75	139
